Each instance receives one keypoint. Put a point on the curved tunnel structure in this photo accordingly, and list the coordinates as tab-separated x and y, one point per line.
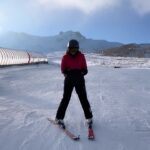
15	57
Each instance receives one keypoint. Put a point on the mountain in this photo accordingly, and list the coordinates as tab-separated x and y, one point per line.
129	50
47	44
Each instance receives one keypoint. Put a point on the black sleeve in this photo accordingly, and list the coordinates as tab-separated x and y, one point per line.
65	72
84	71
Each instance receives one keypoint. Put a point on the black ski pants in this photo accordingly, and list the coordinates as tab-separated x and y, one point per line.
70	82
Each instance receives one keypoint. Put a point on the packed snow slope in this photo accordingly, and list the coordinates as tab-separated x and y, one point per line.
119	100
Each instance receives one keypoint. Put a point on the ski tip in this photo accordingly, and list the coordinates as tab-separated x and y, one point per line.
92	138
76	138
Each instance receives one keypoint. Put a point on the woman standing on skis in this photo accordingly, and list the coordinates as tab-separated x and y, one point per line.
74	67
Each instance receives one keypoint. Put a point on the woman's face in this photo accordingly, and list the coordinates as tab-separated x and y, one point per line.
73	50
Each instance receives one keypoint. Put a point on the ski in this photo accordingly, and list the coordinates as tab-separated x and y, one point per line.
66	131
91	135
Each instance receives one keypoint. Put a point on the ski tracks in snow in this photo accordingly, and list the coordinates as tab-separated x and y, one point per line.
119	100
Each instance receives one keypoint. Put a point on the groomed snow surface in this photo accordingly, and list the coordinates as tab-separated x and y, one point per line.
119	99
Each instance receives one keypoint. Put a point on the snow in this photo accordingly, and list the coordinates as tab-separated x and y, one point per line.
119	100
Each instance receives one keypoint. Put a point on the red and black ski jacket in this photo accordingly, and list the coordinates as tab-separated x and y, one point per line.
74	64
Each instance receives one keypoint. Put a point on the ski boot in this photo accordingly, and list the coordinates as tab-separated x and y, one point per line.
89	122
91	135
60	122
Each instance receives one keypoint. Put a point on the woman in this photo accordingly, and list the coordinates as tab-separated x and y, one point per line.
74	67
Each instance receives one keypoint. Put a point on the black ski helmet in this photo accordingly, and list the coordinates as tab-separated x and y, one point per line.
73	44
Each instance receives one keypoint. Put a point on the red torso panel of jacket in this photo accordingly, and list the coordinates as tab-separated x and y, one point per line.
76	62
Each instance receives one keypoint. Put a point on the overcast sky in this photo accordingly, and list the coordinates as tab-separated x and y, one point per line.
113	20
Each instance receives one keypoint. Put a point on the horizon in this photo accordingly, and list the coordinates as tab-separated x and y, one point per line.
30	34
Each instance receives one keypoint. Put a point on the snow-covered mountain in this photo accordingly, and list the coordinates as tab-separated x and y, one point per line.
52	43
